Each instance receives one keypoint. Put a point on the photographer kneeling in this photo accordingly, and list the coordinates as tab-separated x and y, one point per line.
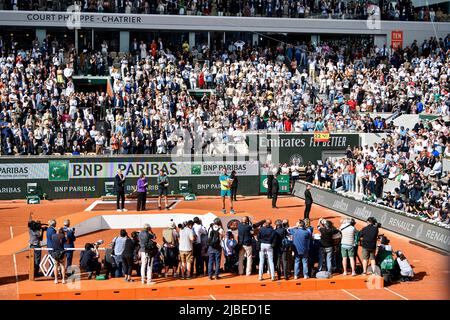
369	236
385	260
89	259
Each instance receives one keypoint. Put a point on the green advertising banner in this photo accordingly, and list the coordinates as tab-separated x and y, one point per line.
92	177
58	170
428	117
283	181
299	148
33	200
190	197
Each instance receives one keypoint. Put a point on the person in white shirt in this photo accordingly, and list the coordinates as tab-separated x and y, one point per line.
99	142
348	231
437	168
104	48
200	231
93	132
186	247
161	145
359	176
68	71
239	45
406	271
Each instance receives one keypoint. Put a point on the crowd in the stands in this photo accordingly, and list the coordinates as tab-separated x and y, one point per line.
402	10
409	162
335	86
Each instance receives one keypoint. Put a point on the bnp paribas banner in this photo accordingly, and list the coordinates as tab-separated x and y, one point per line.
88	177
65	170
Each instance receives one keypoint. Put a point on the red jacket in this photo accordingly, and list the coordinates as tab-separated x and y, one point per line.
287	125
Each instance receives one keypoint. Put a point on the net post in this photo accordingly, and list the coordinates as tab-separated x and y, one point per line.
31	258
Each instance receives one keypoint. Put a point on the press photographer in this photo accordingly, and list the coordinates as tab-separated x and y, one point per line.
245	234
147	250
89	259
329	237
369	236
36	231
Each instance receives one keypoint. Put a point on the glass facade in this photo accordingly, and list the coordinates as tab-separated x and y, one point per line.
92	39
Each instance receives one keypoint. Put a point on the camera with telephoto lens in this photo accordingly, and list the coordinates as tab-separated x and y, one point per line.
258	224
36	225
382	238
98	243
374	222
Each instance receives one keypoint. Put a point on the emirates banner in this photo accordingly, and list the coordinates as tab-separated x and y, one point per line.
299	148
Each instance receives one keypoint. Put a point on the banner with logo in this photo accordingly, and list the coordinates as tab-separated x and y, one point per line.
283	181
416	229
66	170
299	148
321	136
397	39
91	177
13	171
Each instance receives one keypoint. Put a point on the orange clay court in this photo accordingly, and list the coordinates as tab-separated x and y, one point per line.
431	267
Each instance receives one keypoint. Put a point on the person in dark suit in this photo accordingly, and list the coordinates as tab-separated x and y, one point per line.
275	189
120	189
379	184
234	185
269	185
70	242
51	230
308	201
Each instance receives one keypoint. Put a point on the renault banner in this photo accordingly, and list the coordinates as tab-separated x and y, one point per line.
410	227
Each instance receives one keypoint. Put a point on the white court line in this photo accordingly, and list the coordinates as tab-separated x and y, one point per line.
15	263
175	204
92	206
212	297
351	294
97	202
397	294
